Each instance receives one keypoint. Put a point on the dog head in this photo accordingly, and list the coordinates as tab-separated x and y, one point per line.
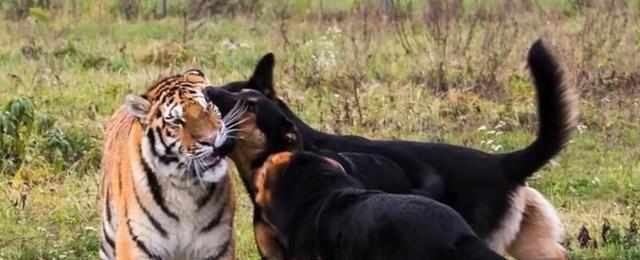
287	182
266	177
262	128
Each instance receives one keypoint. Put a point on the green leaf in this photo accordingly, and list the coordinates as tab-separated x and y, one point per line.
40	14
22	111
7	125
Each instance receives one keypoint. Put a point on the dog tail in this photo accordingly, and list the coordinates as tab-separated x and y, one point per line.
557	110
472	248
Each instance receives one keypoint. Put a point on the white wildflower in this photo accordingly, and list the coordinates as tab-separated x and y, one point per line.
229	45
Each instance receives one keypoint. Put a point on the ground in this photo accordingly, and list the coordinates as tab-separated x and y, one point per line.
441	73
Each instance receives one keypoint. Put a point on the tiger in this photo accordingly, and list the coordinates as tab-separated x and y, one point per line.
166	191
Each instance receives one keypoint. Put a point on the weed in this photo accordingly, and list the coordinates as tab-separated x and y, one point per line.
24	134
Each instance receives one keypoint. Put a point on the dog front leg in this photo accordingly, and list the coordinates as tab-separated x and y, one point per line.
267	242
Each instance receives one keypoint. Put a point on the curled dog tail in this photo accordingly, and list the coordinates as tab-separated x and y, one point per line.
557	110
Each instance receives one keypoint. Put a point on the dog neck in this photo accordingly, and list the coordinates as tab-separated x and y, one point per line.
300	228
310	135
309	232
309	200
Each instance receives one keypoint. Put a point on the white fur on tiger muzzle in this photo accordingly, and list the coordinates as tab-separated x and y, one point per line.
209	165
215	168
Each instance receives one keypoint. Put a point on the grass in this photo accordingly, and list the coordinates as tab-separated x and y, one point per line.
342	71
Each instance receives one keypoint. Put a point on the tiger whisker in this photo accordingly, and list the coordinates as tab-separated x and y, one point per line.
227	133
234	130
232	121
236	114
234	133
232	111
234	124
237	110
230	114
238	129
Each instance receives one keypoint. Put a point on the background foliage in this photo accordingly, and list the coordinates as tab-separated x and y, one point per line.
438	70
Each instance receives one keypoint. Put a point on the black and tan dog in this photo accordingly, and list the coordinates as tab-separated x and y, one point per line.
488	190
264	131
322	213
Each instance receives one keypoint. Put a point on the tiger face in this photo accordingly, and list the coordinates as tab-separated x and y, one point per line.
185	137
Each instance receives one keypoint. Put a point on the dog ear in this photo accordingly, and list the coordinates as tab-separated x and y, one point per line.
262	78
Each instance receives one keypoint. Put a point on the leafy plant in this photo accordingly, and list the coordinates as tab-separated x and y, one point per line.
16	124
25	135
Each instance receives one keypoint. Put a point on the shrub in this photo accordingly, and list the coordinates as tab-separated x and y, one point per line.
26	135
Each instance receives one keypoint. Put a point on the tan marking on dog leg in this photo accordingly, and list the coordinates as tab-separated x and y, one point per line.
267	242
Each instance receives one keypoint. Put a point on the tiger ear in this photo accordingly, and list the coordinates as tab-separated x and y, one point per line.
262	78
195	76
137	106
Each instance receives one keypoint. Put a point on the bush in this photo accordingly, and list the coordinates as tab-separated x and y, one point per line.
26	135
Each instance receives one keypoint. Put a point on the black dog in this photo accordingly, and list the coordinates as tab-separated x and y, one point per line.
322	213
374	172
486	189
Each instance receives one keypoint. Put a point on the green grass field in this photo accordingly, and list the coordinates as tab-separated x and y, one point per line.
415	70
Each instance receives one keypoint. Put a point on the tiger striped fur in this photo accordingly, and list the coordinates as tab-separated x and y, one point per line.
165	188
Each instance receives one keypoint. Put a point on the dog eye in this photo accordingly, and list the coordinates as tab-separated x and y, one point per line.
290	138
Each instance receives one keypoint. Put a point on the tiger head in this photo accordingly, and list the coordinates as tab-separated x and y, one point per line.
184	136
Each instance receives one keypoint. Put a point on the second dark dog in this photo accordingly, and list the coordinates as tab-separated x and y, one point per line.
322	213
